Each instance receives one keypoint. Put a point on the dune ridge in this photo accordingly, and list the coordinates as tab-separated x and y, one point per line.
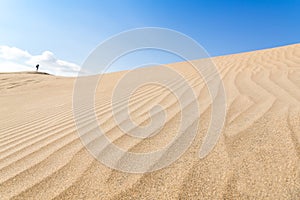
256	157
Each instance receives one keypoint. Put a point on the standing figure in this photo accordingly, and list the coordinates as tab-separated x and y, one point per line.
37	67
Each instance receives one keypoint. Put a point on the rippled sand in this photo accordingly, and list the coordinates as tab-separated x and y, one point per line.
256	157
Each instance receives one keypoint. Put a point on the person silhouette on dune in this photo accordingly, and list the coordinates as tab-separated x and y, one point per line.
37	67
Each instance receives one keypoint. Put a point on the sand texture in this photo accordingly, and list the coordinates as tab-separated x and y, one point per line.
257	155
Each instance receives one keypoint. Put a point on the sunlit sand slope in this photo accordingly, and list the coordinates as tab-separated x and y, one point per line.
257	155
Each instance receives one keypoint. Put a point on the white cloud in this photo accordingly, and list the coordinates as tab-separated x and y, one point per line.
11	53
14	59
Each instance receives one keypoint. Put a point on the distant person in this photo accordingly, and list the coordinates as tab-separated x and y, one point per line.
37	67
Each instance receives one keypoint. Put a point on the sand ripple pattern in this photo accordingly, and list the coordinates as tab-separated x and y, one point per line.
257	155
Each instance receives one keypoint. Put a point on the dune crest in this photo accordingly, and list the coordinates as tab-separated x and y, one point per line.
257	155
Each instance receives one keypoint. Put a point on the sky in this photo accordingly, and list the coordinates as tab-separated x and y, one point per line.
60	35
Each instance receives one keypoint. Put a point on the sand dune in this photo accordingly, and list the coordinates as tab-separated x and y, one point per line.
257	155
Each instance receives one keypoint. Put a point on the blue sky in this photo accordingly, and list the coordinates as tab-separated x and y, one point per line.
65	32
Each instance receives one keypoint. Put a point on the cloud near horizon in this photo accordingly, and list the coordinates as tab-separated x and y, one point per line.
13	59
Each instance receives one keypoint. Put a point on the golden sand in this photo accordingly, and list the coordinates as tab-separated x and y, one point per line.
256	157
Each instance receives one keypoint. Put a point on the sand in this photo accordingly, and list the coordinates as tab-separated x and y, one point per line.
256	157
